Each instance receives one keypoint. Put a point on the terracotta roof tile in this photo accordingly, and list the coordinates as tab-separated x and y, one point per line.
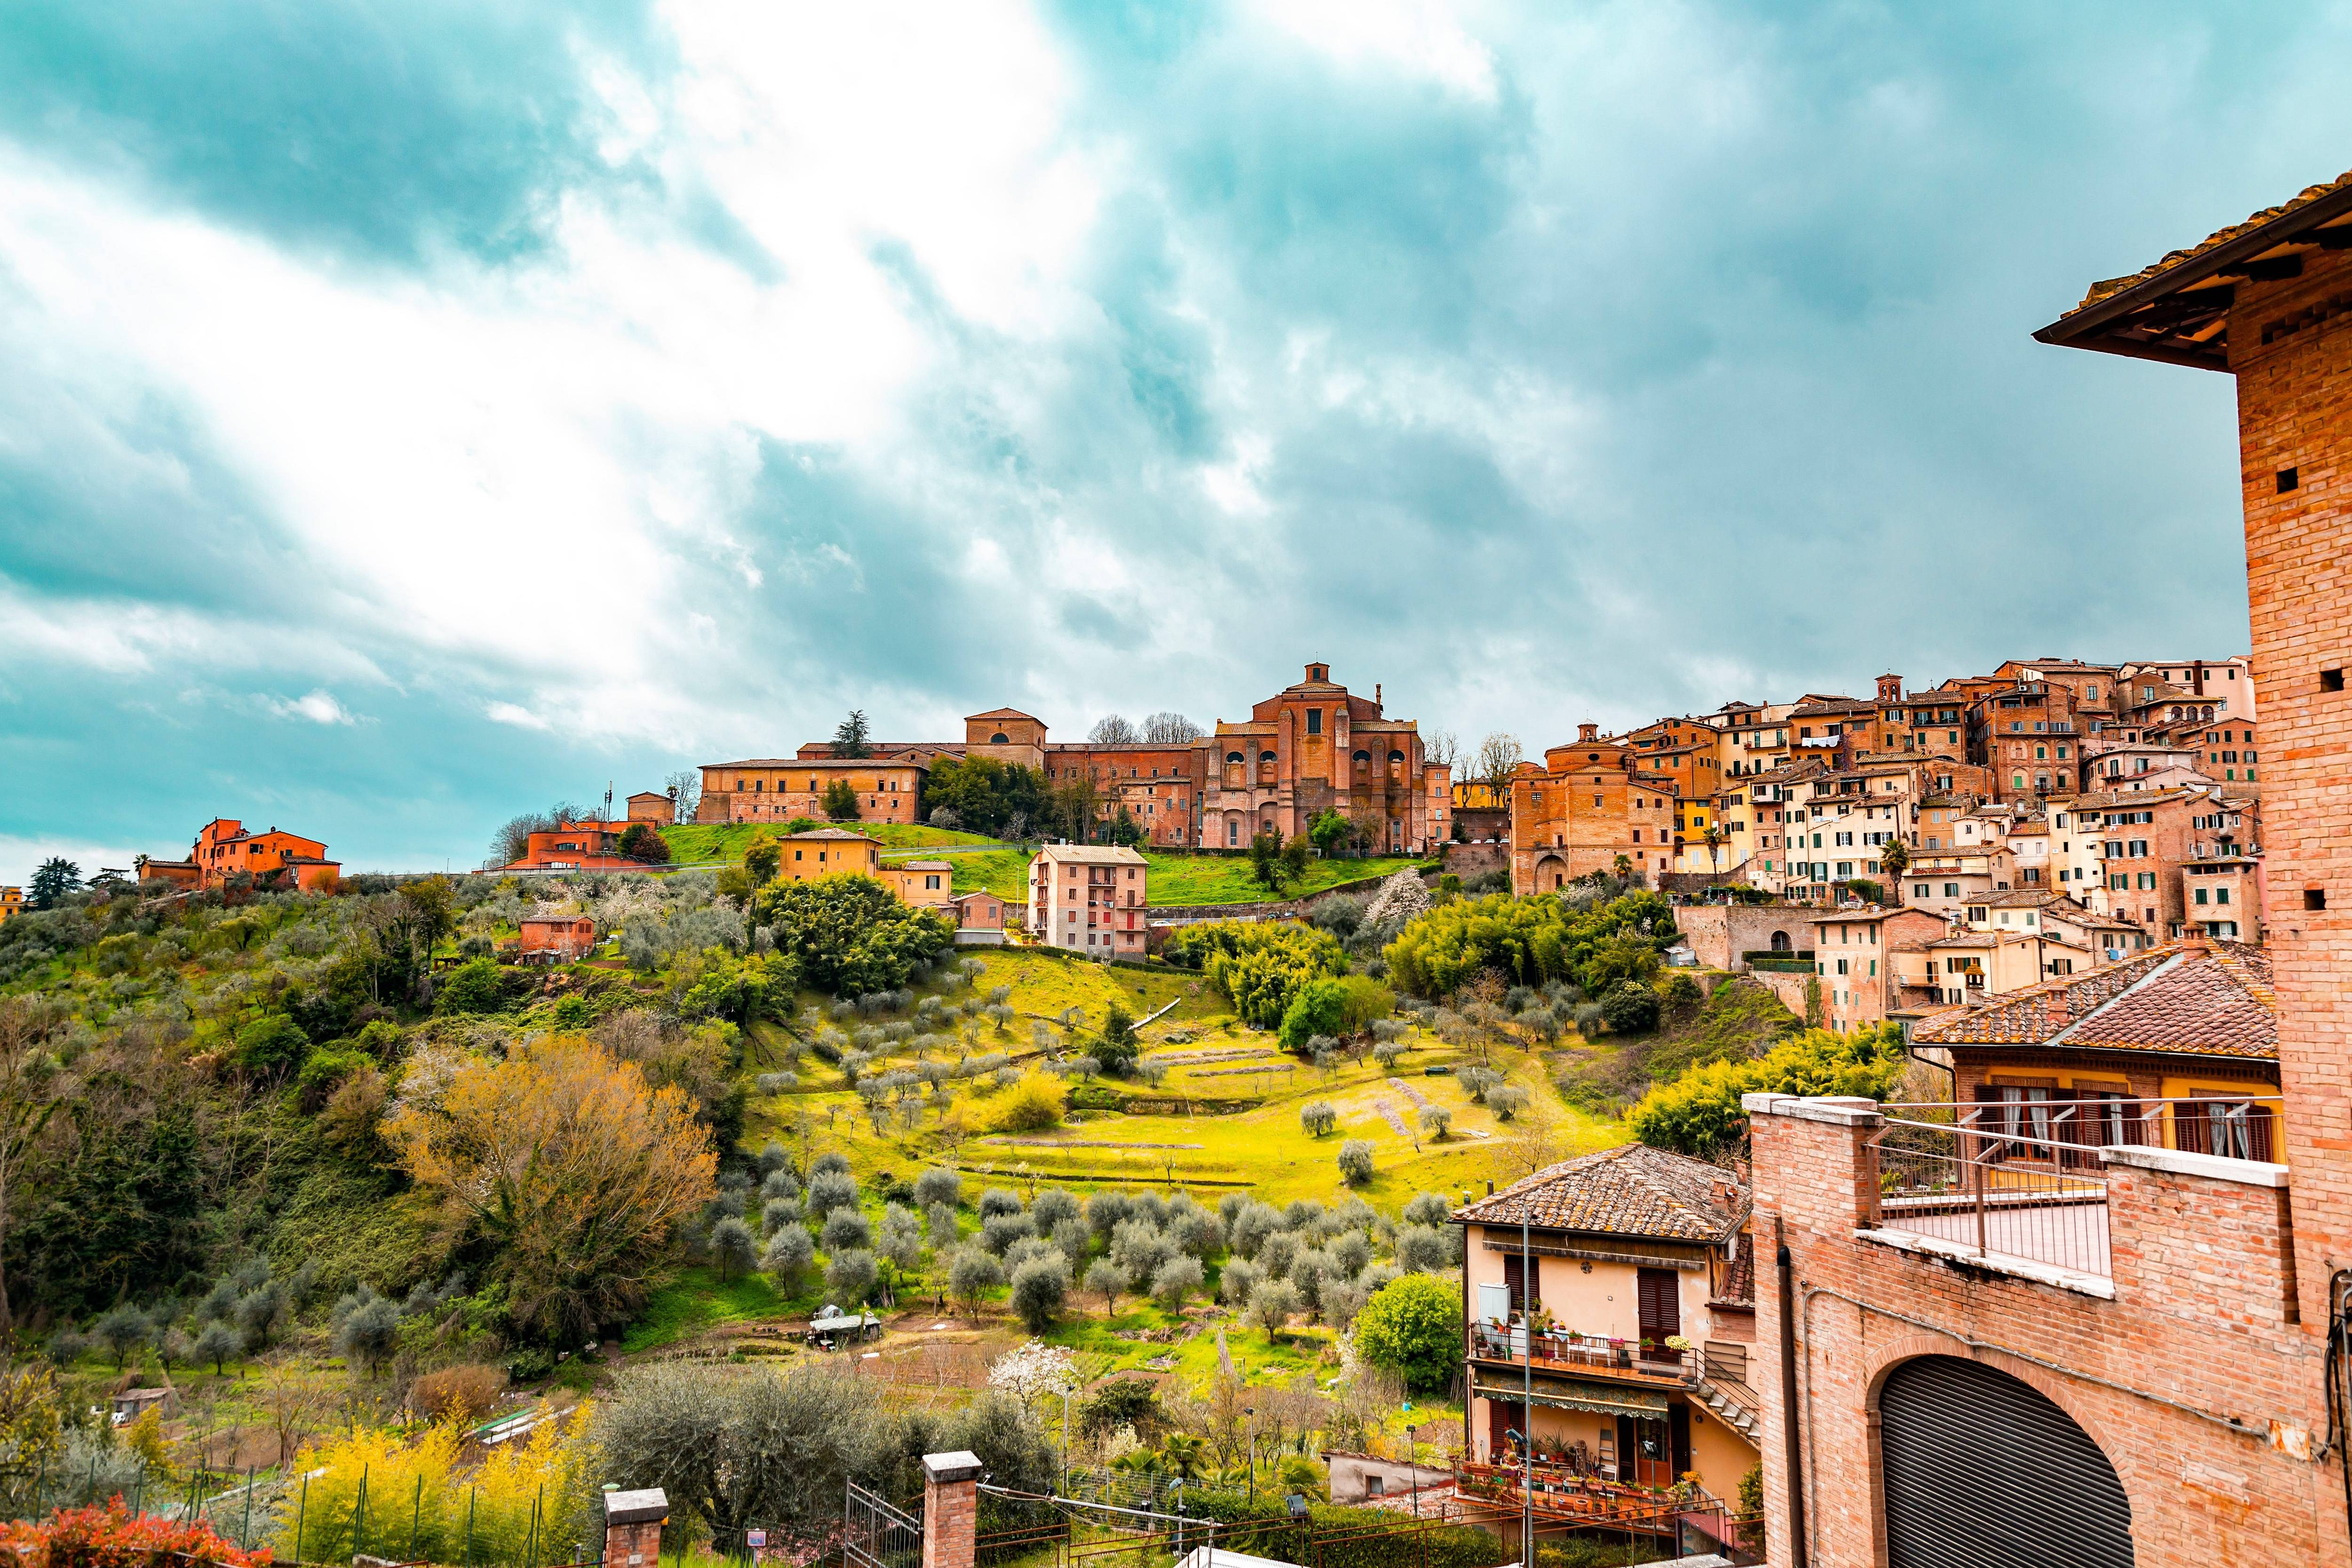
2190	998
1632	1190
2171	259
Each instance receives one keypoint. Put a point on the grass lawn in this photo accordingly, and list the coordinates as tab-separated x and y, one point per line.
696	1300
696	843
1181	881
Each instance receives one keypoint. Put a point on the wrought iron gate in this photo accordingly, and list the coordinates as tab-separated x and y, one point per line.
875	1534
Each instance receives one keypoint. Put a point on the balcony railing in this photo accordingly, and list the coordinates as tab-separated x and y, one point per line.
2022	1181
1586	1354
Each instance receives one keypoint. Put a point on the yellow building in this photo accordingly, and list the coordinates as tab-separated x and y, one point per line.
826	852
12	901
922	884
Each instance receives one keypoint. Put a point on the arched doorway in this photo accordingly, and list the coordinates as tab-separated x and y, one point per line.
1779	942
1551	874
1983	1470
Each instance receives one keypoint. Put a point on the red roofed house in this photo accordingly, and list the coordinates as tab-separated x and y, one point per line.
557	938
224	850
578	846
979	917
1623	1251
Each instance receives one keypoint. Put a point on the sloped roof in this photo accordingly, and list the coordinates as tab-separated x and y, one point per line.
1090	854
1003	714
2190	998
1632	1190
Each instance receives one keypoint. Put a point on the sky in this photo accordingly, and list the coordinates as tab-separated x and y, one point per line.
412	413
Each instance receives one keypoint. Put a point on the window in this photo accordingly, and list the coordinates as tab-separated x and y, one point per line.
1315	721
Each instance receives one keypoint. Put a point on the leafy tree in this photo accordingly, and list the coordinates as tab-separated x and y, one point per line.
1119	1046
846	1228
852	1276
1273	1303
1531	940
123	1330
1317	1117
366	1328
939	1185
1330	830
1422	1248
1259	965
1630	1007
787	1256
272	1046
1106	1279
218	1343
986	794
1412	1325
1356	1162
849	738
1698	1113
1173	1280
973	1272
840	801
740	990
730	1244
569	1164
848	935
765	855
645	843
1040	1287
1437	1121
53	878
1319	1007
900	1245
1266	862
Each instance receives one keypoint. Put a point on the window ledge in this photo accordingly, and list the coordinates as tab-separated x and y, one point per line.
2094	1285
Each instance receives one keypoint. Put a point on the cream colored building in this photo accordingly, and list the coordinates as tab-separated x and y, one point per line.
1092	900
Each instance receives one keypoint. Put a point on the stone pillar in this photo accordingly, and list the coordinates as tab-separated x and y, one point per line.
633	1527
950	1510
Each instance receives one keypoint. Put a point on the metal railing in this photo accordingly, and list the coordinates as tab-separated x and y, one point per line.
1572	1352
2022	1179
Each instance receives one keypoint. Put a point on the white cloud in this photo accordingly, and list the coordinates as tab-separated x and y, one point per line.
20	854
317	707
1416	38
520	718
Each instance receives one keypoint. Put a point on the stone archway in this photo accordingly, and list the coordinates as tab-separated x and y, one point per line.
1551	874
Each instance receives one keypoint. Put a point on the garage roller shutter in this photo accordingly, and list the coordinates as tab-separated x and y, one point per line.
1983	1471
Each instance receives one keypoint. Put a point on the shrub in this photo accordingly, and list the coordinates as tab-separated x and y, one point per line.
467	1393
273	1046
1630	1007
1317	1117
1427	1208
367	1328
1412	1325
114	1537
997	1200
1356	1162
473	988
1036	1102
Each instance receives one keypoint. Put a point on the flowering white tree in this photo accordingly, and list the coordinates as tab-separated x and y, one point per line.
1034	1371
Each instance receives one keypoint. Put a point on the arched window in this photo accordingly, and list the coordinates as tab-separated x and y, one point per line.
1265	756
1234	759
1396	756
998	739
1779	942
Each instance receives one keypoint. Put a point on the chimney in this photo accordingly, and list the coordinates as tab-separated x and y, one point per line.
1490	1186
1376	693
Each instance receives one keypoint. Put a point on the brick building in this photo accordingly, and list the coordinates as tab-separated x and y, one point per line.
555	939
653	808
1583	811
1090	899
224	850
593	846
888	787
2126	1355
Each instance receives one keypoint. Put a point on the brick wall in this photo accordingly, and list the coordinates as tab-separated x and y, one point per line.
2294	410
2199	1320
950	1510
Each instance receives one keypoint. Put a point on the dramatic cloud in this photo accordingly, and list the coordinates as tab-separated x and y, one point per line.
417	415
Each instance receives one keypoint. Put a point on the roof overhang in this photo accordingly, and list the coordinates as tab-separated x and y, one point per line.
1570	1394
2180	316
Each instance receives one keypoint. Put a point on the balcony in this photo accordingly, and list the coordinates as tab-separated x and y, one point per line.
2019	1186
1583	1356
